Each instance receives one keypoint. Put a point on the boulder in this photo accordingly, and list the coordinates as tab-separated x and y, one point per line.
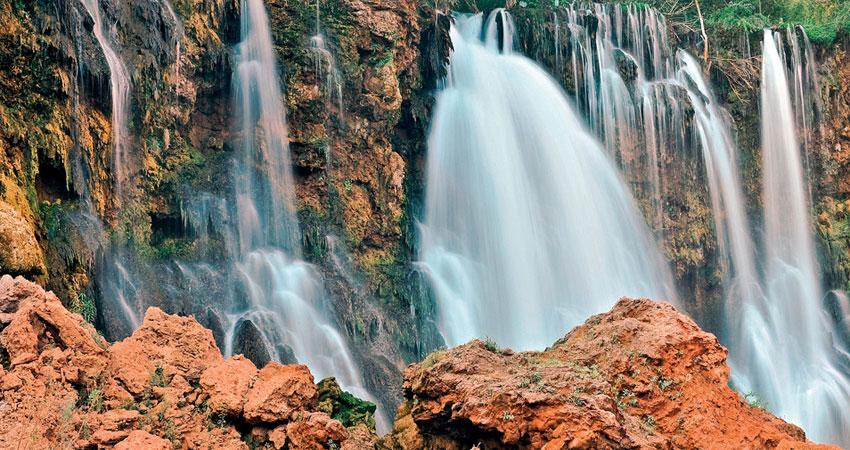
279	393
227	384
143	440
162	346
641	376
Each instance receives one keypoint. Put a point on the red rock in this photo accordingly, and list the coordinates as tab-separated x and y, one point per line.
227	384
313	431
36	318
138	440
172	344
641	376
278	437
280	392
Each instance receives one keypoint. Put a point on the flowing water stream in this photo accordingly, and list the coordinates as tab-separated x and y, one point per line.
114	280
119	79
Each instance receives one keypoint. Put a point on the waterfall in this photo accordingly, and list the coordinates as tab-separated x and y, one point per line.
720	154
114	280
323	56
788	354
624	83
119	79
178	39
529	228
284	298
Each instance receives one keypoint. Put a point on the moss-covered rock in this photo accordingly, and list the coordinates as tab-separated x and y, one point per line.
345	407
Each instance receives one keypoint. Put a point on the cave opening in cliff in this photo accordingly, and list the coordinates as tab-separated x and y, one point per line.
51	183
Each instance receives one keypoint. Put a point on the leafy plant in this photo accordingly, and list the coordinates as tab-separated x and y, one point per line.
84	306
755	400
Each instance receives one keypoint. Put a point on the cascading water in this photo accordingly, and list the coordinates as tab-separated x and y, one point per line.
178	39
786	354
324	57
612	46
284	299
114	280
529	229
802	384
719	151
119	79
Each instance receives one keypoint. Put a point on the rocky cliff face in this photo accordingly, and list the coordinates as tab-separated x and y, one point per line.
357	102
640	376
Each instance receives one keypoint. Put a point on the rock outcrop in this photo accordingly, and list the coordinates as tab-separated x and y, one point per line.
638	377
166	386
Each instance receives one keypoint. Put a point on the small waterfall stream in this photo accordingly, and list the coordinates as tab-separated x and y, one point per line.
529	228
119	79
114	280
285	300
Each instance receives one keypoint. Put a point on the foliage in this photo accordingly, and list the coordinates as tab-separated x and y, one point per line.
344	406
84	306
823	20
742	14
755	400
491	345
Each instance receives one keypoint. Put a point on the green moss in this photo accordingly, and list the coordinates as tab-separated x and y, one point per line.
343	406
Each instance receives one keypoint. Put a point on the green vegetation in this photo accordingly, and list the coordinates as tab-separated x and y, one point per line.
755	400
345	407
84	306
823	20
649	424
491	345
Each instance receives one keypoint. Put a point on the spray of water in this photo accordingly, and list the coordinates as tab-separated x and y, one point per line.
787	353
529	229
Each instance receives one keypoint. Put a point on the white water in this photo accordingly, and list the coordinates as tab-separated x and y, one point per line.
178	39
324	57
787	352
720	154
641	121
285	299
115	281
119	79
529	228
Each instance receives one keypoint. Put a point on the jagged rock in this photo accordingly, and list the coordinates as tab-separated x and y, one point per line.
142	440
314	432
227	384
33	319
162	346
249	341
165	386
279	393
638	377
